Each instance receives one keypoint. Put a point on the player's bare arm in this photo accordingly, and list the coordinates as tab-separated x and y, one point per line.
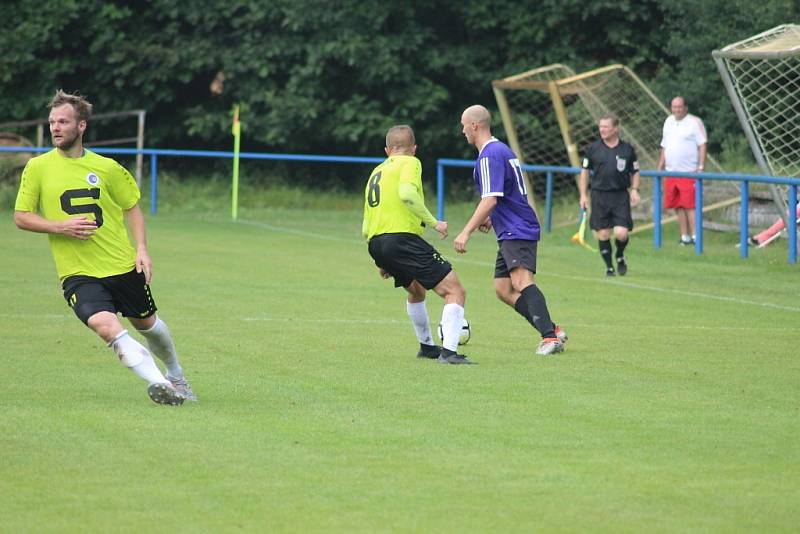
135	220
583	187
635	198
484	209
441	227
78	227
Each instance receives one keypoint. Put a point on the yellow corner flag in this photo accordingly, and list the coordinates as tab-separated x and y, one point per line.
236	130
579	235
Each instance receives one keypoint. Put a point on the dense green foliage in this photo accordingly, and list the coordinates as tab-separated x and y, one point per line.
330	77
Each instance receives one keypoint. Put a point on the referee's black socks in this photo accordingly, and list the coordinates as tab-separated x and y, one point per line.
620	247
532	305
605	251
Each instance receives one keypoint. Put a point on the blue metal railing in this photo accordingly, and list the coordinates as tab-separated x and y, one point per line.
744	179
154	153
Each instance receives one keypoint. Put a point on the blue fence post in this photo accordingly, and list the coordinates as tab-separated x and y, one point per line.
153	183
548	203
657	211
439	191
744	208
792	224
698	217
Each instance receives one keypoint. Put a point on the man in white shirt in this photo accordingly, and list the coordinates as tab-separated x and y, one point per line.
683	149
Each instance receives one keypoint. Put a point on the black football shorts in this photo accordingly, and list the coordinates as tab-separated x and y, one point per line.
610	209
127	294
407	257
513	253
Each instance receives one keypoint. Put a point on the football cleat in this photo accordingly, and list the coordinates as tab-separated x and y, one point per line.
183	387
610	272
454	359
560	334
622	266
550	345
430	352
165	393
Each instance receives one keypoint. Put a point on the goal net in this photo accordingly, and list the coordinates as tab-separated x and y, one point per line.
550	116
762	77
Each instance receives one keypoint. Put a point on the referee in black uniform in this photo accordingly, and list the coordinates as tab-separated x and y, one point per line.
616	170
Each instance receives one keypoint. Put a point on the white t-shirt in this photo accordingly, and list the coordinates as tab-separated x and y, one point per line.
680	140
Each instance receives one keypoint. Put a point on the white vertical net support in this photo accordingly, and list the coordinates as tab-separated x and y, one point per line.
762	75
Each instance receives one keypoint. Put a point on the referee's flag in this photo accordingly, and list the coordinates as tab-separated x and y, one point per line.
579	235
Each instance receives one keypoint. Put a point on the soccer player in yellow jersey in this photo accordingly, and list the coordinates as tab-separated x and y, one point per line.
83	201
395	217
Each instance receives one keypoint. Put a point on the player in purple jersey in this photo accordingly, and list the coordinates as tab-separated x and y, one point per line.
504	206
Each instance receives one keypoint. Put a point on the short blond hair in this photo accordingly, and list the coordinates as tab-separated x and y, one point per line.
400	137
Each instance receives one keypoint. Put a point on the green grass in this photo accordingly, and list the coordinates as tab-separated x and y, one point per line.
675	406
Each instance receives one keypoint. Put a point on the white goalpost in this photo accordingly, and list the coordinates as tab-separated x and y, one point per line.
762	77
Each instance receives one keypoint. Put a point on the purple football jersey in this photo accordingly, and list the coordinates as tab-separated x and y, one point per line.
498	173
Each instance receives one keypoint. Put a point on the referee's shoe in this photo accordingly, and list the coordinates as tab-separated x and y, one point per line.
622	266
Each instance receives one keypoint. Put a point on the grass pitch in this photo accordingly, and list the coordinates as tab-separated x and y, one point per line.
674	407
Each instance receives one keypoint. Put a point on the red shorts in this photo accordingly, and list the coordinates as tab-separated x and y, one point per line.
678	193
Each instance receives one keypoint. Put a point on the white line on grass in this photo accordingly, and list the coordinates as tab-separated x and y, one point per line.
337	321
692	294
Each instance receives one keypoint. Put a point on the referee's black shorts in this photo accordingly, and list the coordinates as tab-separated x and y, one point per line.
127	294
610	209
408	257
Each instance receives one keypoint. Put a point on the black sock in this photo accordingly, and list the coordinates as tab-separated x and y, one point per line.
522	309
605	251
532	301
620	247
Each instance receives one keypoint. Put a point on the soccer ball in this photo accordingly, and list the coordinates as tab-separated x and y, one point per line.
463	338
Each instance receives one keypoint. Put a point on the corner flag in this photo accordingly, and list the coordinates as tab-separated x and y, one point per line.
236	130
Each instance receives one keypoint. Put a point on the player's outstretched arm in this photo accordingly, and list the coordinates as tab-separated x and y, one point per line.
484	209
78	227
135	220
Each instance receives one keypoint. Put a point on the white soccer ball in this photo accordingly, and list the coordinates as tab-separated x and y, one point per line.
463	338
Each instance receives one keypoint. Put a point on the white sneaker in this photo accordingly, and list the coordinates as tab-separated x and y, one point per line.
561	335
164	393
183	387
550	345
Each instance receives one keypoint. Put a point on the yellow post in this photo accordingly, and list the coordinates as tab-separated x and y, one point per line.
563	125
513	142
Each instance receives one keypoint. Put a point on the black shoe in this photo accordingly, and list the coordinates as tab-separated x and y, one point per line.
454	359
430	352
686	243
622	266
610	272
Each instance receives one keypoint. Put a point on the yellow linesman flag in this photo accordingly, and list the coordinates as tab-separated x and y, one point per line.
236	129
579	235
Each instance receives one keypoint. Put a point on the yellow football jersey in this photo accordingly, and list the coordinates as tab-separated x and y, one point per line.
58	188
384	211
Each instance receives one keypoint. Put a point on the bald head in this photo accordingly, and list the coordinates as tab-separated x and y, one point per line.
478	114
400	140
476	122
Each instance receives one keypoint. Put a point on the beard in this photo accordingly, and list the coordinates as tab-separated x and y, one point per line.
67	141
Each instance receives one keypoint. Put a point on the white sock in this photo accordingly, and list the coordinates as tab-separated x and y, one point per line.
133	355
418	314
159	339
684	237
452	321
